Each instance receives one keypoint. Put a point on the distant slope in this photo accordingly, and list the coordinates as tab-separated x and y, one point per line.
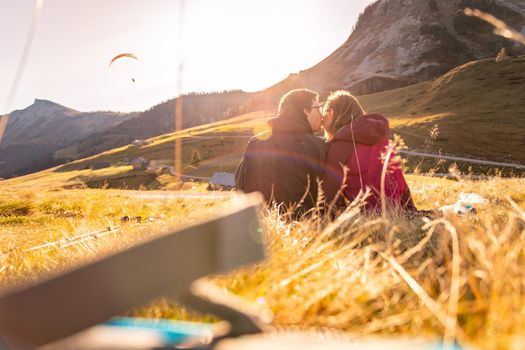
198	109
396	43
214	153
46	134
479	108
36	132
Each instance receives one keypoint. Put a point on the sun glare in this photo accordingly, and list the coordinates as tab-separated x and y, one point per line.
227	45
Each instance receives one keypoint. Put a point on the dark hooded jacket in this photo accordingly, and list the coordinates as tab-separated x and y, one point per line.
361	146
284	163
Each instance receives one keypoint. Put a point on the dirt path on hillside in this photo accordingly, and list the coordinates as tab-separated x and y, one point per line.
463	159
178	194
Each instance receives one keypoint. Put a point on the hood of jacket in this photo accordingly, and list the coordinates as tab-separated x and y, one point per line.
367	129
290	125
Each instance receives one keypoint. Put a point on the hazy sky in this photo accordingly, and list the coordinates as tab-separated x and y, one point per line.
228	44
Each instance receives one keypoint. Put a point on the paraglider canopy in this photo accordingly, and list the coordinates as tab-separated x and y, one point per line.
122	55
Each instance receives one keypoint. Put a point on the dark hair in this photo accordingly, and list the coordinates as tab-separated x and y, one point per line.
294	102
346	108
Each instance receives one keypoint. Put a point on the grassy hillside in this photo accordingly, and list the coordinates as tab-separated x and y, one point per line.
198	109
222	151
479	109
455	278
32	217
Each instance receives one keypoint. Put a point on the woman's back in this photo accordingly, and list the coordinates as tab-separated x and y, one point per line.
366	169
360	146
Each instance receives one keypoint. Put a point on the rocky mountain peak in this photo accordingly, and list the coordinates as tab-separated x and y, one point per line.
399	42
46	126
41	107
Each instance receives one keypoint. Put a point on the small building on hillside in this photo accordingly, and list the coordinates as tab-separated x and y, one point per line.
222	181
97	166
124	161
156	168
139	163
140	142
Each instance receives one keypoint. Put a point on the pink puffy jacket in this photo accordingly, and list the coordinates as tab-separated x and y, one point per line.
360	146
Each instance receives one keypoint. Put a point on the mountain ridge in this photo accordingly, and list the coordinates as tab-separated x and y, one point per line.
433	117
397	43
35	132
198	109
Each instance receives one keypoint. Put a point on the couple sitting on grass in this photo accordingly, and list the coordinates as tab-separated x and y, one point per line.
285	163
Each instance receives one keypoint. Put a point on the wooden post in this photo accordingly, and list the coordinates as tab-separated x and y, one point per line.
3	126
178	141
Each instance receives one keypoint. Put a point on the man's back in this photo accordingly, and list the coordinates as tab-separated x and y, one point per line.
284	167
284	164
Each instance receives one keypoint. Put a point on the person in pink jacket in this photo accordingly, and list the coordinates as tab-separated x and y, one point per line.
359	142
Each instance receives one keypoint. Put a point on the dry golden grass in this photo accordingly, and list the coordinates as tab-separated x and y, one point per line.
478	106
31	218
456	278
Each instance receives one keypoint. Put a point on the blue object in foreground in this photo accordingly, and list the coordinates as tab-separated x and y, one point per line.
171	332
442	346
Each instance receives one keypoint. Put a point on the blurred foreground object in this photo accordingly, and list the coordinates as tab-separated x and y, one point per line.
330	340
502	55
500	27
3	126
73	310
465	204
52	309
37	10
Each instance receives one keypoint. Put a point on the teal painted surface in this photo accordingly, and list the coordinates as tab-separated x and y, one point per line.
172	332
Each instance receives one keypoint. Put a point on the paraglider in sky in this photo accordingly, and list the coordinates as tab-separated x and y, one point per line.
122	55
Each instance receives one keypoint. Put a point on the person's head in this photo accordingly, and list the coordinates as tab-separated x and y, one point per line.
302	103
340	109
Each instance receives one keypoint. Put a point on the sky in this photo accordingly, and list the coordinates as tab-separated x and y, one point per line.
223	45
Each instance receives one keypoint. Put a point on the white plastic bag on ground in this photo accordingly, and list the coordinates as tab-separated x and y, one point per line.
466	203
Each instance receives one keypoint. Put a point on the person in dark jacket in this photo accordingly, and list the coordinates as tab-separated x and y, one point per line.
359	142
285	162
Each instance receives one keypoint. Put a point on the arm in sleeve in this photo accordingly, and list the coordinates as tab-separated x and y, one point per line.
242	171
240	175
333	179
316	163
402	186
